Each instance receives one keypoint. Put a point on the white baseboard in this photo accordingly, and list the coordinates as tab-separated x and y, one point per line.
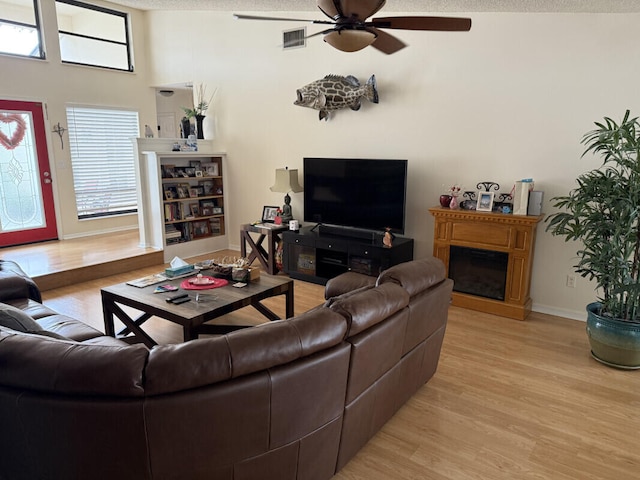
560	312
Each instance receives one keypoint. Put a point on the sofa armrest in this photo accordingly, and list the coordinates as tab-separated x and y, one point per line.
15	283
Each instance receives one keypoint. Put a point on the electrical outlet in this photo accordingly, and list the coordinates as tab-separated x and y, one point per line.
571	281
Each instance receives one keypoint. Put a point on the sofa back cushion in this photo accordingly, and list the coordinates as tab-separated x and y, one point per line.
415	276
15	319
370	306
242	352
42	364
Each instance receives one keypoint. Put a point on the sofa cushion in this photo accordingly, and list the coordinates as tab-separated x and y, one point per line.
347	282
69	327
415	276
42	364
15	319
370	306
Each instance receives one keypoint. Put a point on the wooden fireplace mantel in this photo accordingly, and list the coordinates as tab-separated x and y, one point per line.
512	234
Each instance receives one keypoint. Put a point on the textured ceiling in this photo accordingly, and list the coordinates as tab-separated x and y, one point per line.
590	6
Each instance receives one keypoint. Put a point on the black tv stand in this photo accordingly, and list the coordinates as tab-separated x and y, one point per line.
346	232
318	254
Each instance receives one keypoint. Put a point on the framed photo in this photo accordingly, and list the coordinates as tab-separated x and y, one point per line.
194	208
193	192
210	170
485	201
195	164
206	211
168	194
217	210
190	171
199	173
269	214
168	171
183	191
207	185
201	229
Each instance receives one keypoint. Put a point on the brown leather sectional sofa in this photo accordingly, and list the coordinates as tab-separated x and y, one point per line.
293	399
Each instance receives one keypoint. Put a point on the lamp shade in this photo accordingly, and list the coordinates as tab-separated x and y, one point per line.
350	40
286	181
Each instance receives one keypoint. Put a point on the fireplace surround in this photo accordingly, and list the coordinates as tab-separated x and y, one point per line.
480	243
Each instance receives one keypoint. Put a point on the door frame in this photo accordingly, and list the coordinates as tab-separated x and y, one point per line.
50	231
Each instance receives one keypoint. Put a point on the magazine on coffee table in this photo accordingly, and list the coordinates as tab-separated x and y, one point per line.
148	280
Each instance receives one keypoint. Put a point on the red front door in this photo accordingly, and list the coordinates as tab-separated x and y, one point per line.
27	212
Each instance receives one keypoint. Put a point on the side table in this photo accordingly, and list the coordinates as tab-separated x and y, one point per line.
266	257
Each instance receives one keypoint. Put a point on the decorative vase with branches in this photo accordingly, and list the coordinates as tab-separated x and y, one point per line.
198	110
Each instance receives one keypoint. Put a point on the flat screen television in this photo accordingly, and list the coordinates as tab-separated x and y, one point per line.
365	194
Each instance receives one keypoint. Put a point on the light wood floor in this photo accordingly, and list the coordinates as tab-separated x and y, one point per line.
510	400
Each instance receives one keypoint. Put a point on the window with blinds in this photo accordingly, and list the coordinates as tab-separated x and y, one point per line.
103	160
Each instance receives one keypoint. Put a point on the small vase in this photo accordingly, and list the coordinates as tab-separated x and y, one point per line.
445	201
186	127
199	119
454	202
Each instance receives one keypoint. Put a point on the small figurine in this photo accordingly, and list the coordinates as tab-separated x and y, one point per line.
387	240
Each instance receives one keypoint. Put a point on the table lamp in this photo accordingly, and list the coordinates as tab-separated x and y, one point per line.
286	181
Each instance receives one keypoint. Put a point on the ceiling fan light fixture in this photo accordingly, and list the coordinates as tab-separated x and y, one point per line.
350	40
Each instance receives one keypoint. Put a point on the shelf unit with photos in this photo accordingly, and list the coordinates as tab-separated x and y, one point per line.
186	208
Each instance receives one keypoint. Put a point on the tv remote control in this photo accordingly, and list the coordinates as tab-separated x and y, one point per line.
173	298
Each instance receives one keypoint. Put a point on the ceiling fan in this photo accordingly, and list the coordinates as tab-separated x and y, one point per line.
351	31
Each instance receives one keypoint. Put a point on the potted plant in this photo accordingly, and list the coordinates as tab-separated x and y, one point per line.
603	213
198	110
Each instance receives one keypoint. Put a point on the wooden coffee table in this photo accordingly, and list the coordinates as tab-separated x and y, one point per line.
191	315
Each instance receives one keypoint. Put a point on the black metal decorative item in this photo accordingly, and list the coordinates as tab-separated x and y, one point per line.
488	186
505	197
59	129
469	195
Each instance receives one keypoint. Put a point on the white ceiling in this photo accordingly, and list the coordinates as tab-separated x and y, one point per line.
589	6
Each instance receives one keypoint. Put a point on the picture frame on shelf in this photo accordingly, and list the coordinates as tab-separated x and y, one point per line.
206	211
199	174
210	170
201	229
183	190
217	210
194	208
193	192
169	194
485	201
207	186
168	171
269	214
196	164
190	171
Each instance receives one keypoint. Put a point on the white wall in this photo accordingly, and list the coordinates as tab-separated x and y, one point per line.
508	100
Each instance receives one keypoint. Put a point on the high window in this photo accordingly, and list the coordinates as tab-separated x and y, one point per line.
92	35
103	160
20	28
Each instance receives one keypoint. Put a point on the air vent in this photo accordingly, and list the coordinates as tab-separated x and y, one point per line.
294	38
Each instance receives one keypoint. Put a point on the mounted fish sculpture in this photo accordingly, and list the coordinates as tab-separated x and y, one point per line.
335	92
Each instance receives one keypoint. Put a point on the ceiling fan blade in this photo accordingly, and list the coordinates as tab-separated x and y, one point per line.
444	24
330	8
386	42
361	9
279	19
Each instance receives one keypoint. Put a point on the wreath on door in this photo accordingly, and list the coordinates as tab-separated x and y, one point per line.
18	134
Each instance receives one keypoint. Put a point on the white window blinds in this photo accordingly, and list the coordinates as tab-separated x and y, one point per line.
103	160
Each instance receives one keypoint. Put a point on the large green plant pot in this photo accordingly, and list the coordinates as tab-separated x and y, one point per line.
613	342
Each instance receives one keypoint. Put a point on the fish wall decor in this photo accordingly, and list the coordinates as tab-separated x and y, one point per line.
335	92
